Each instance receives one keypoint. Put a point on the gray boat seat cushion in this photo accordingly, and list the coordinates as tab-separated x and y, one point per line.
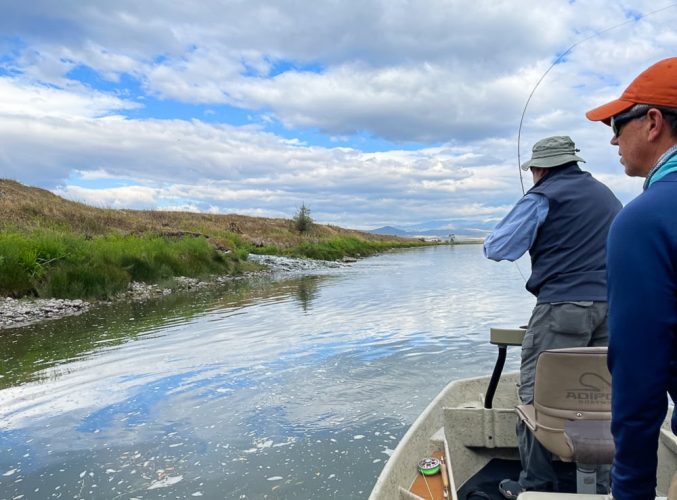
571	412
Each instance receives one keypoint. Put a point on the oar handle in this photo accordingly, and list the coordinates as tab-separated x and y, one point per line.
445	477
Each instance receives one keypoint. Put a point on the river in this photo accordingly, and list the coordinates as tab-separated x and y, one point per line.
293	387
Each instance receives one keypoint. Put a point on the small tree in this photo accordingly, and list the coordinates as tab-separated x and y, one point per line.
302	220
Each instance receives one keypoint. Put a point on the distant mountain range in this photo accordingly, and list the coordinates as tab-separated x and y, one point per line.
441	228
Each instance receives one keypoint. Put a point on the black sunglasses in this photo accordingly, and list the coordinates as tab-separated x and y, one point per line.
621	120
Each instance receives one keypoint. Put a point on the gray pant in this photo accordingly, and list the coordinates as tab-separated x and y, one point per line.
554	326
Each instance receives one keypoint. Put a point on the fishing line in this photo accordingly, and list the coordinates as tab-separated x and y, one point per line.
567	51
520	270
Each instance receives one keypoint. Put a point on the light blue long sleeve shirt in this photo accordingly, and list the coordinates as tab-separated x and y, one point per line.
515	234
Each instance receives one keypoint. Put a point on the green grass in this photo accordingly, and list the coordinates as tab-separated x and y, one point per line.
49	263
335	248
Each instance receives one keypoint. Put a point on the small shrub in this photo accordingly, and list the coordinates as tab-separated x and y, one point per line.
302	220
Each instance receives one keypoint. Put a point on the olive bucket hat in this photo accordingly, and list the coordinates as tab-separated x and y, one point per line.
552	152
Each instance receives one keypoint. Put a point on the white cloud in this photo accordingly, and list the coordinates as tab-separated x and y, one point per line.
28	100
119	197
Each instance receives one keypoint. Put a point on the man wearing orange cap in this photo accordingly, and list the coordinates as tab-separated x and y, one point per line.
642	277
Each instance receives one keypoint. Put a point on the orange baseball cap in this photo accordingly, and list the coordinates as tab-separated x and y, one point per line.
657	86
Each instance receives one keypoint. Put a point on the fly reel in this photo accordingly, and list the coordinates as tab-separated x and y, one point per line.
429	466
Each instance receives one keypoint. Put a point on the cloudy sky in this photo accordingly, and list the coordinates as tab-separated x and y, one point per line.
369	112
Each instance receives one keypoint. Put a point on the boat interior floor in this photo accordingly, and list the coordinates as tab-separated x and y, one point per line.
487	479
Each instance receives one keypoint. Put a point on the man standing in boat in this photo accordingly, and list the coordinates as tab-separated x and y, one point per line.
642	264
562	221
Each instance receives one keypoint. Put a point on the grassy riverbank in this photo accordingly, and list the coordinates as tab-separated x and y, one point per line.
52	247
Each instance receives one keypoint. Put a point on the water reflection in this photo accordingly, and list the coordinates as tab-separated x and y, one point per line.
307	291
28	353
268	389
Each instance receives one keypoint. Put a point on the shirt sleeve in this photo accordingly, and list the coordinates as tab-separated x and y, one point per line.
515	234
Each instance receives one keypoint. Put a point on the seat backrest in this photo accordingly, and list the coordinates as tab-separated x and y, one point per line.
571	412
573	384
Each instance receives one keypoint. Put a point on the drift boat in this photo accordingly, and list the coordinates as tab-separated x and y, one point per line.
469	431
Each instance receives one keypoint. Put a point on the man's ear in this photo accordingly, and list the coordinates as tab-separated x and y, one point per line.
538	173
657	124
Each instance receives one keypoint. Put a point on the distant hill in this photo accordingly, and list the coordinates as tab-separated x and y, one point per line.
390	231
441	229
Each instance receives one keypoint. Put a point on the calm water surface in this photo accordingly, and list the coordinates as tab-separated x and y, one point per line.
296	387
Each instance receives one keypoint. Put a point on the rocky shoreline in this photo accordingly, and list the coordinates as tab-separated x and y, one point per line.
16	313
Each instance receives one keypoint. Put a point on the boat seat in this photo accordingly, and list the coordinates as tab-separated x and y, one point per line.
571	411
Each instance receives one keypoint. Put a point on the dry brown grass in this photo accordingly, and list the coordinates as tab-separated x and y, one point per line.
26	208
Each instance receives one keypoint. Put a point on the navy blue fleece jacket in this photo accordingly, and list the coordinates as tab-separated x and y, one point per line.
642	278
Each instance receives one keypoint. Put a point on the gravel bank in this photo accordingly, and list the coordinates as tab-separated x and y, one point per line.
16	313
